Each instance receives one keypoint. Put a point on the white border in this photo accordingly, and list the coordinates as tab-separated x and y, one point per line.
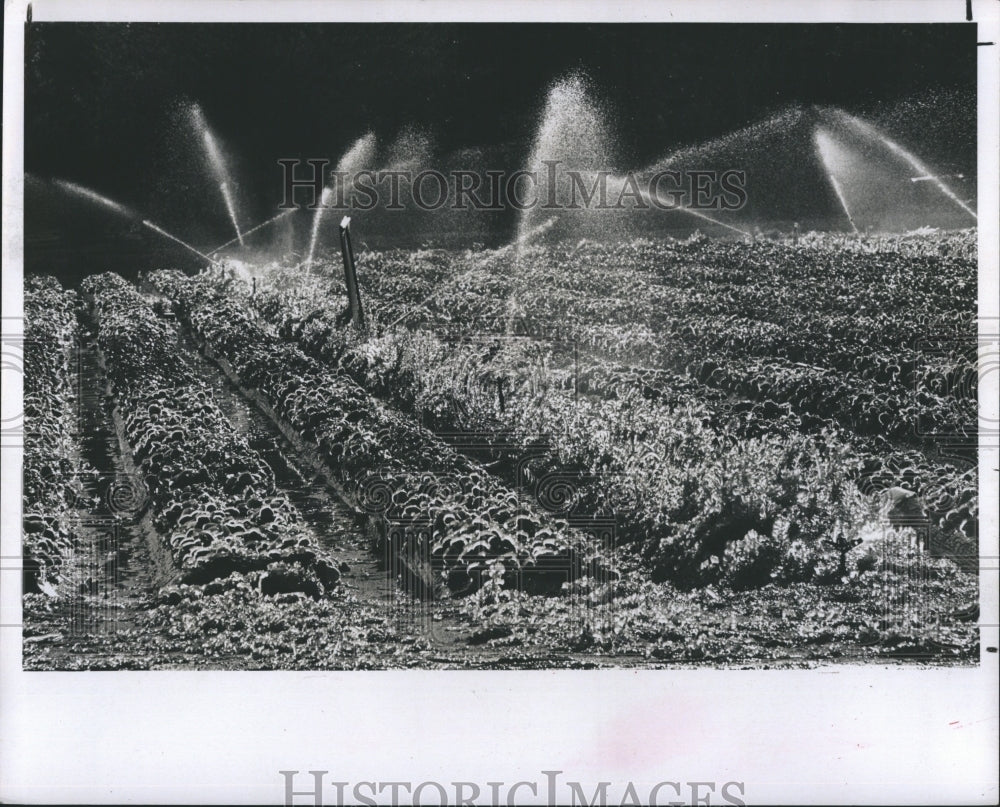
512	11
844	734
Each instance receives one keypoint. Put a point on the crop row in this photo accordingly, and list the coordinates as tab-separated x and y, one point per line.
812	339
815	392
858	301
948	492
495	385
822	337
678	487
50	450
449	519
213	497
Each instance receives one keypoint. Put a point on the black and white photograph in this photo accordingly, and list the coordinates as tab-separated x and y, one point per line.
502	345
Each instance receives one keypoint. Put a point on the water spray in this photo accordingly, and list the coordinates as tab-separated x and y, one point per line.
843	200
649	198
358	156
922	169
184	244
255	228
655	200
924	173
826	154
573	130
533	233
522	239
218	165
317	220
939	176
743	140
224	187
93	196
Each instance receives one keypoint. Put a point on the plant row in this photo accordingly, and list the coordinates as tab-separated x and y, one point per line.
494	384
449	520
51	452
213	497
823	336
680	486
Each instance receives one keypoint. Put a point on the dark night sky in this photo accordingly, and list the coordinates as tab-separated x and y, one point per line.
101	99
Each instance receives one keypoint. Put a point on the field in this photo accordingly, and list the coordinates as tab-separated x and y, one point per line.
571	454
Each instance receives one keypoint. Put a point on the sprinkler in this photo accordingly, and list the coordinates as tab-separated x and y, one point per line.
353	312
